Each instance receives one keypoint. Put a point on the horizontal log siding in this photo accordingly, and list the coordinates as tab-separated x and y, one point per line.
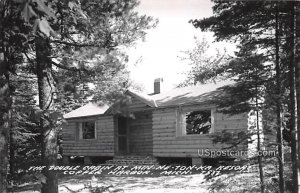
167	144
68	131
102	146
140	134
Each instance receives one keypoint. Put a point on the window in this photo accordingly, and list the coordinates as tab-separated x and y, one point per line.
88	130
196	122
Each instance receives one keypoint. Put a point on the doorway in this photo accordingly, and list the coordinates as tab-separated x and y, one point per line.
122	135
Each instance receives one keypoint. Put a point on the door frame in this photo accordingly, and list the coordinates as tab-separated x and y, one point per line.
126	136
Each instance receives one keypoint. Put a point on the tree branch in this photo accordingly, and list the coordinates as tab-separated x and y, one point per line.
74	69
74	44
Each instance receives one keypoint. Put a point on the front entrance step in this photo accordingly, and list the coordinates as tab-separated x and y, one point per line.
133	160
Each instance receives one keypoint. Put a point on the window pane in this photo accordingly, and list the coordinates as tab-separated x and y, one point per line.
88	130
198	122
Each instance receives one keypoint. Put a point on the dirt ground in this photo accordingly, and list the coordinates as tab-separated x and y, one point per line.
162	184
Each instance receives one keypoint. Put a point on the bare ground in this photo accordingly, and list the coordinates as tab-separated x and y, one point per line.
129	184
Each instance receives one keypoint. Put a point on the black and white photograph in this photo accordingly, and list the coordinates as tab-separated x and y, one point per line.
149	96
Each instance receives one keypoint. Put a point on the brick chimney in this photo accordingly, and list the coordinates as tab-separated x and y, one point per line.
158	85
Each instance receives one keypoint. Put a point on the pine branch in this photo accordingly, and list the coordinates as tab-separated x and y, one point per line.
74	69
78	45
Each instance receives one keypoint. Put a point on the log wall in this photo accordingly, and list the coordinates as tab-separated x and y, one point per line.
140	134
103	145
151	132
167	142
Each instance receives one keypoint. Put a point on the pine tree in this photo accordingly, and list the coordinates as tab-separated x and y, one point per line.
24	143
12	41
73	39
262	24
297	79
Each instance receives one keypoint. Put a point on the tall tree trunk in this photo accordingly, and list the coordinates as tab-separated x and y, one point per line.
4	128
4	103
49	131
259	158
11	152
4	122
278	104
291	44
297	74
260	166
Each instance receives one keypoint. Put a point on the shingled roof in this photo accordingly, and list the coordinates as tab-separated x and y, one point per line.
89	109
183	96
187	95
175	97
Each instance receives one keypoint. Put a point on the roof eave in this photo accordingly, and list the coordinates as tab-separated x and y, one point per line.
149	102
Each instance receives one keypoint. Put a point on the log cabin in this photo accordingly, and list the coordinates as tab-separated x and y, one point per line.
173	124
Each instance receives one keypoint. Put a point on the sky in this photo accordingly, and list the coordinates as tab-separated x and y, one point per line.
158	54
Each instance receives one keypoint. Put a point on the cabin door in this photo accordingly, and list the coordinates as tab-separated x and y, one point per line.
122	135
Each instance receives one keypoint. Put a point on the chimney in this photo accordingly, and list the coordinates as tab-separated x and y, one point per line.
158	85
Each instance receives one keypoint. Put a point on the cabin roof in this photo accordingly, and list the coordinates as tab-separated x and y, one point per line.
143	97
183	96
175	97
89	109
187	95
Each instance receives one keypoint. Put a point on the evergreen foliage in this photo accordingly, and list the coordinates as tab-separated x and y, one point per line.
65	46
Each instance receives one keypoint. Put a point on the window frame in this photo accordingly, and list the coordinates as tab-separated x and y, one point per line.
81	129
181	120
